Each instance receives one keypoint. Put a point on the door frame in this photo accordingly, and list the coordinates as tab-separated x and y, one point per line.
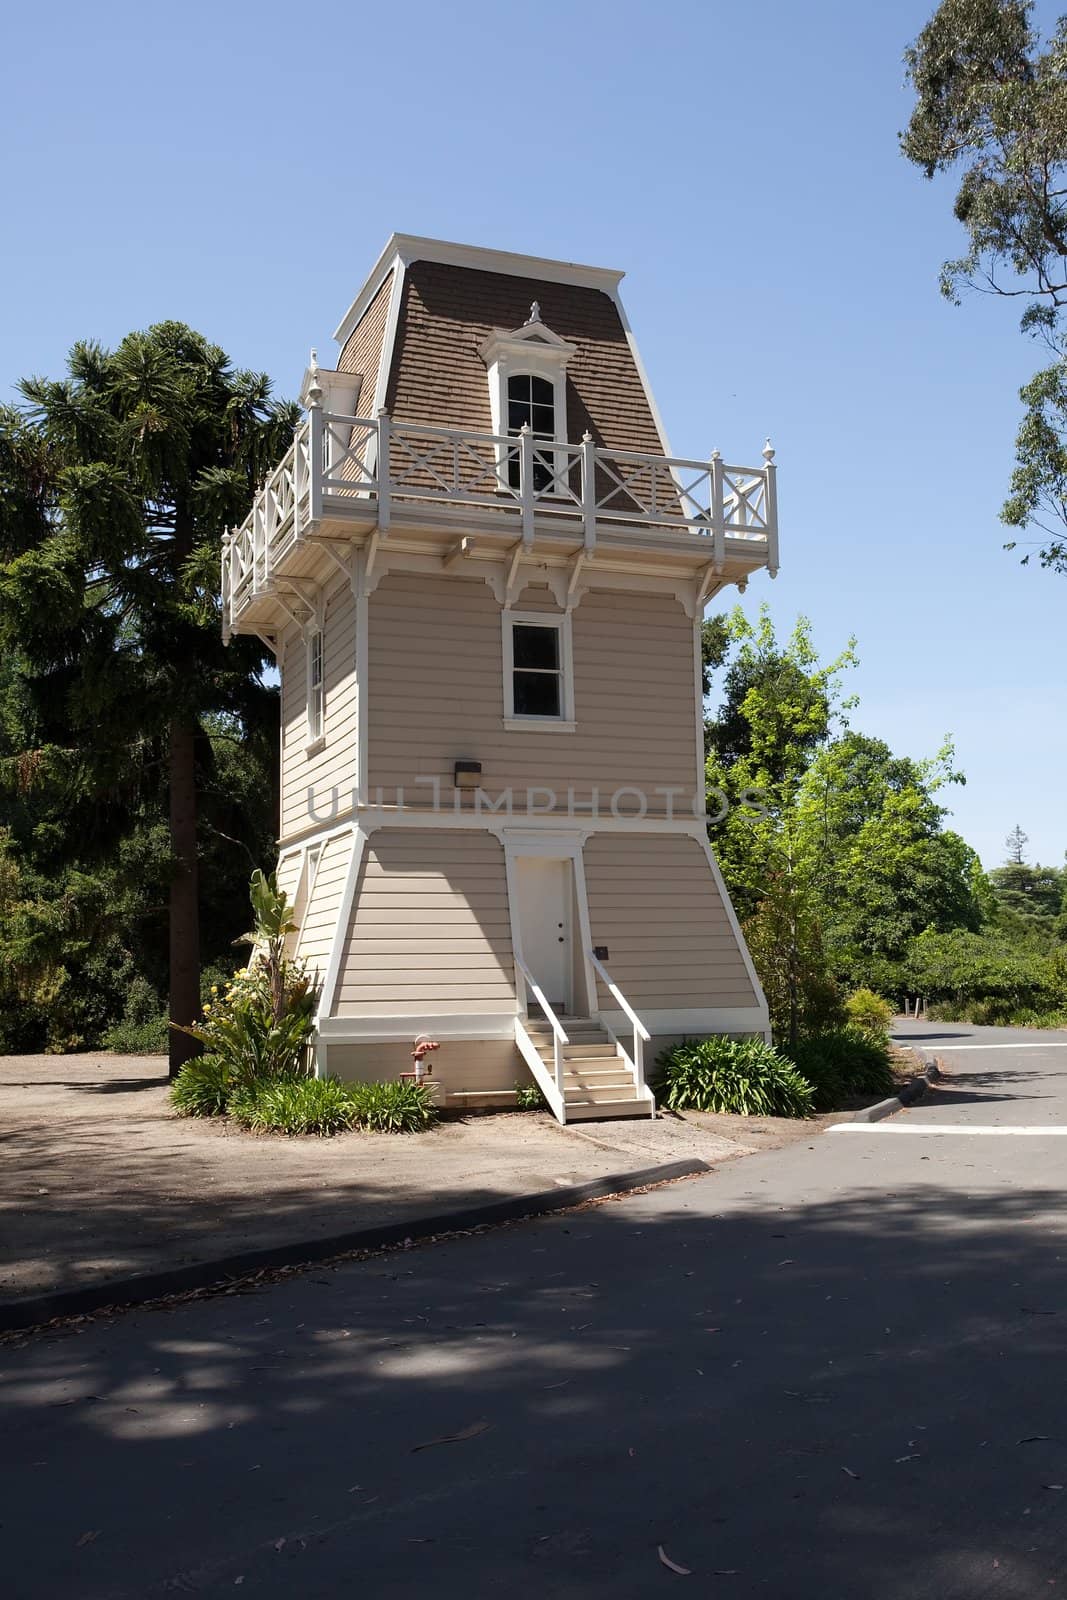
558	845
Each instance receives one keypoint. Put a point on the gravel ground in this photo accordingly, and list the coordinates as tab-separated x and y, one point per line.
100	1181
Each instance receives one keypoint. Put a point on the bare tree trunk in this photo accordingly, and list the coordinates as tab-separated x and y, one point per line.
184	895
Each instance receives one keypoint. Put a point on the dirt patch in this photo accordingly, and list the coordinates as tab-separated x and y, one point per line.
100	1180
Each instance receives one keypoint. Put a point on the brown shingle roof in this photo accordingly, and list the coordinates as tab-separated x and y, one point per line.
438	375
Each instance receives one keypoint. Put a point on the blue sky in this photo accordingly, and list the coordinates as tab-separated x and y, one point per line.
240	165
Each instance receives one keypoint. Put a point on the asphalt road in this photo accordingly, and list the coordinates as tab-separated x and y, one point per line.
835	1371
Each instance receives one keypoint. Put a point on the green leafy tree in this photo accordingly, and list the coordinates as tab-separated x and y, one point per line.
779	703
991	106
885	866
116	483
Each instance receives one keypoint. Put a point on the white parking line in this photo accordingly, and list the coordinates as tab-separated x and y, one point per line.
1021	1044
971	1129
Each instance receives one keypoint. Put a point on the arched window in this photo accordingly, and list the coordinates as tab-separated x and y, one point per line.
532	402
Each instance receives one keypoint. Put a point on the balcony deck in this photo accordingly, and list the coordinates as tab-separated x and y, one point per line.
345	477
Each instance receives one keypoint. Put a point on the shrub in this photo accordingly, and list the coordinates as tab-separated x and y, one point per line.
202	1088
138	1038
262	1025
294	1104
744	1077
528	1097
869	1011
843	1061
400	1107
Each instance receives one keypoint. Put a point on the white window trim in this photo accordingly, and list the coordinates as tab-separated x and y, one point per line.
514	721
316	739
536	351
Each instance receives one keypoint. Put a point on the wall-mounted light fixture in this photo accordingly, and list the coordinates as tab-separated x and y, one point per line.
467	774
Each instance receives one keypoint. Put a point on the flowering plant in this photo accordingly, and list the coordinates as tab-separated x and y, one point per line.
261	1027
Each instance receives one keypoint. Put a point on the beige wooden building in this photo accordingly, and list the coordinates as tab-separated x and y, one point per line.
483	574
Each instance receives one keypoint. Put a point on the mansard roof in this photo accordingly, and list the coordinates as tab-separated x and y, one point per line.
419	328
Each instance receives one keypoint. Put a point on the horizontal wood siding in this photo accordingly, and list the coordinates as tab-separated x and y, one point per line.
436	694
324	903
430	931
335	762
654	902
472	1067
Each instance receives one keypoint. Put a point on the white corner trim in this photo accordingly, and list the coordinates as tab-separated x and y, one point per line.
328	994
643	375
731	917
362	678
698	690
389	258
392	318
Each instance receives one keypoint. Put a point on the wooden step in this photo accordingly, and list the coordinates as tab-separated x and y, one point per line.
606	1110
579	1054
575	1031
600	1093
588	1066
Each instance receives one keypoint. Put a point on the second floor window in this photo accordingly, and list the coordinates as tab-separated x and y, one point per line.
315	687
537	670
532	401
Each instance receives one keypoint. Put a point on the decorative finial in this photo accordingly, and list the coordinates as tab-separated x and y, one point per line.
587	437
525	428
314	388
715	456
535	313
768	453
742	586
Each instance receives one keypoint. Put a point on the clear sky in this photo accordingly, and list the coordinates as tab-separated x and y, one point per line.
239	165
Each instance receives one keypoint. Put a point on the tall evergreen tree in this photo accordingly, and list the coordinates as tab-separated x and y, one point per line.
116	483
1016	844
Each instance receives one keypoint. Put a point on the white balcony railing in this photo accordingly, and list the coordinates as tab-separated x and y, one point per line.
374	468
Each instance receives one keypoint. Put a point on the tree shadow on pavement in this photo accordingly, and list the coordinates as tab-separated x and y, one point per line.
857	1396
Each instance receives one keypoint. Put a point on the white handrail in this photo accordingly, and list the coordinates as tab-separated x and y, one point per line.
641	1033
559	1038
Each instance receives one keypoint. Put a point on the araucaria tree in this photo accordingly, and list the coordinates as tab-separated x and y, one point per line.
991	105
116	484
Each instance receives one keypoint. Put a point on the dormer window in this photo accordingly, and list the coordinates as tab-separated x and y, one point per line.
527	371
532	404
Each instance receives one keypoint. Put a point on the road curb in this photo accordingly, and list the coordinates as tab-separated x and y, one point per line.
908	1096
125	1293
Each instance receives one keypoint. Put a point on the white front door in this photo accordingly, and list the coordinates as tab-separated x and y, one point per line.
544	889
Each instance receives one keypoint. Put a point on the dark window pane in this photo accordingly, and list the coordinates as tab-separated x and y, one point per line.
535	647
536	694
518	413
543	421
542	392
519	387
